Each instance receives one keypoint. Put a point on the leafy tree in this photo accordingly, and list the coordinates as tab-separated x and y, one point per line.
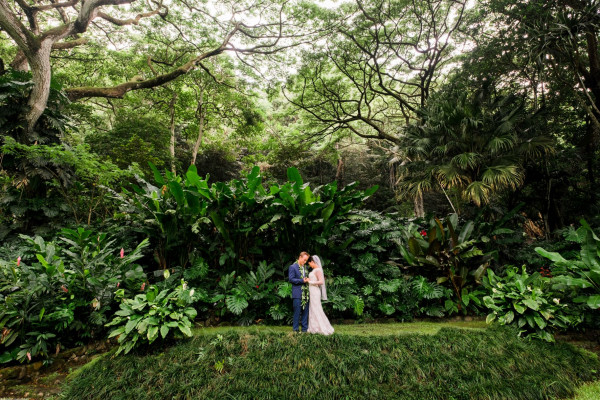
377	66
477	144
39	30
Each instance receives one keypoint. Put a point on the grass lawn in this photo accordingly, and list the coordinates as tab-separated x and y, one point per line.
589	391
424	360
423	328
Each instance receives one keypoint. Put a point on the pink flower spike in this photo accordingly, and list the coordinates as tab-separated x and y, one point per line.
64	289
29	356
118	284
122	252
143	286
18	261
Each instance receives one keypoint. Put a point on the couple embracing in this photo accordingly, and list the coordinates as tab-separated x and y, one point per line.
308	288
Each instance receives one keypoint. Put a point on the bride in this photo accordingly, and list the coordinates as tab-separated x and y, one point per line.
317	320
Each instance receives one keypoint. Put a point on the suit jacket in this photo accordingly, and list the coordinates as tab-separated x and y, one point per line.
295	278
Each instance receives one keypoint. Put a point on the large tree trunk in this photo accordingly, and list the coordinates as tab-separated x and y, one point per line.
39	62
200	115
20	62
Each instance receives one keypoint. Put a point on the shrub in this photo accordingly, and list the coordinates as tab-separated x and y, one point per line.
580	275
240	220
528	302
141	319
58	294
450	254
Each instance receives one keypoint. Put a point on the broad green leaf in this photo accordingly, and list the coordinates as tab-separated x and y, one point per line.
177	192
190	312
552	256
185	329
152	333
519	307
327	211
509	317
192	175
534	305
465	232
157	175
594	302
294	176
539	321
164	330
131	324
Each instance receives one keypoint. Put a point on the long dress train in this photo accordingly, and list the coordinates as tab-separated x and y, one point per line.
317	320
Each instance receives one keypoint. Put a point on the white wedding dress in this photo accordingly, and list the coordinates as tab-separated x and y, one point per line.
317	320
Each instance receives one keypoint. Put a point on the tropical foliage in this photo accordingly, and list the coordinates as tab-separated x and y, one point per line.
451	254
528	302
147	146
140	319
58	294
579	277
475	144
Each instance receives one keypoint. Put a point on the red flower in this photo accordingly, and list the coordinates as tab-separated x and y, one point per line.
143	286
64	289
122	252
423	233
118	284
257	286
18	261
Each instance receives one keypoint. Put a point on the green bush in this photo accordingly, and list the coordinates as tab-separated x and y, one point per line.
578	277
140	320
453	255
59	294
241	220
528	302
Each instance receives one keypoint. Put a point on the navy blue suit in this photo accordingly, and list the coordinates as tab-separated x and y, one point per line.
295	278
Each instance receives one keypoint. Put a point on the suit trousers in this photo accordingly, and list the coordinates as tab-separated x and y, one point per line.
300	313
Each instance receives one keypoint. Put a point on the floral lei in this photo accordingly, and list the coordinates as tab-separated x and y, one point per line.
305	295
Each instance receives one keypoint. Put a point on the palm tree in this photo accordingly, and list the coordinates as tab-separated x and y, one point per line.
475	144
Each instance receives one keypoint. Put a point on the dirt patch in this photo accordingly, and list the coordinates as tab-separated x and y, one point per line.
40	380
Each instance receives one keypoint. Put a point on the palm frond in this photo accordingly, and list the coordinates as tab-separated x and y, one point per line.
536	146
503	176
467	160
450	176
478	192
501	144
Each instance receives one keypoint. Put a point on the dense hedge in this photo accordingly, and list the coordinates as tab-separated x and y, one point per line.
453	364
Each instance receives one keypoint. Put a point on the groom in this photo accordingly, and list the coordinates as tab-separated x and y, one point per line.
298	276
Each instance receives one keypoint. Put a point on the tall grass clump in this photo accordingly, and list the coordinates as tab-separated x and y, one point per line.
453	364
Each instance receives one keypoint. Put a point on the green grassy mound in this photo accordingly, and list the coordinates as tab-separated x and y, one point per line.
452	364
